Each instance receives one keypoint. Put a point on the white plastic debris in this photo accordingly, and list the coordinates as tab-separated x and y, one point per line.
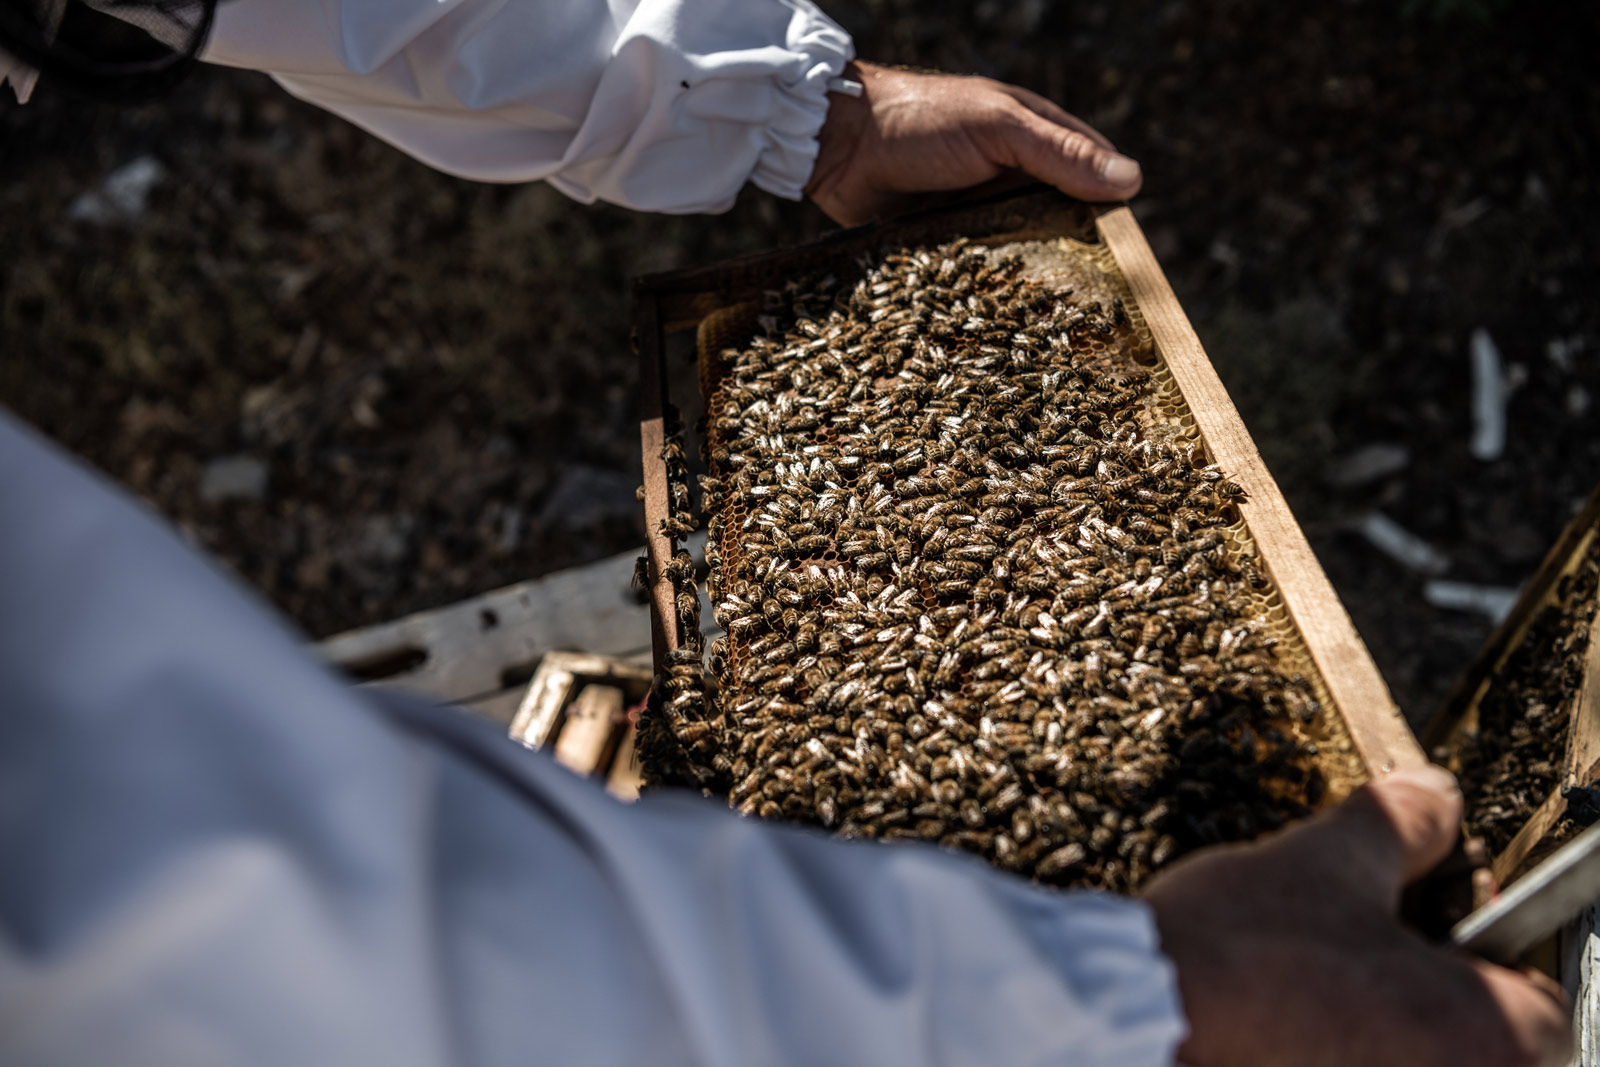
1401	545
1466	214
1488	397
511	522
123	195
1516	376
1560	351
1224	253
21	76
233	478
1367	464
1494	602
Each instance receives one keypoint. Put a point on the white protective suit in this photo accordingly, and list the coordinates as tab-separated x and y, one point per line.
212	851
659	105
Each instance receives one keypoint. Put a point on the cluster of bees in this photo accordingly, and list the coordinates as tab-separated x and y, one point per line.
973	592
1517	754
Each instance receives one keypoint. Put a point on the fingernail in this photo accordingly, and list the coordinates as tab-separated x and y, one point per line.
1429	776
1119	171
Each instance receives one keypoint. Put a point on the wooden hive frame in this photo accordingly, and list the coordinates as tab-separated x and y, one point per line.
1581	767
577	706
718	298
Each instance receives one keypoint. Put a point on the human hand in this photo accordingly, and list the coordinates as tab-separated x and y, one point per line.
1289	950
910	134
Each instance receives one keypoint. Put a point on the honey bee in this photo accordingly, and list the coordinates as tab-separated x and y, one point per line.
742	625
676	527
680	569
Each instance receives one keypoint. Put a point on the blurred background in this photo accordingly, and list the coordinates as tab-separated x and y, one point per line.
370	388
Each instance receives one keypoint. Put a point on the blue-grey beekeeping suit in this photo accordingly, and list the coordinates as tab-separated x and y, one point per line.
212	851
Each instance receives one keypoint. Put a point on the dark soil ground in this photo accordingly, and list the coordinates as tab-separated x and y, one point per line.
437	379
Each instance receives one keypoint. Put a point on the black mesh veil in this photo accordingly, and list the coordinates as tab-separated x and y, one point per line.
119	49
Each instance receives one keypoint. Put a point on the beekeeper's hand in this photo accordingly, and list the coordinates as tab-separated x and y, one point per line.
1289	950
910	134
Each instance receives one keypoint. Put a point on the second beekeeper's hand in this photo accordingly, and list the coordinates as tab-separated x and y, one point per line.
1289	951
910	134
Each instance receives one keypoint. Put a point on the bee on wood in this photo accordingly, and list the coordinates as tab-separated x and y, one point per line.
677	527
680	569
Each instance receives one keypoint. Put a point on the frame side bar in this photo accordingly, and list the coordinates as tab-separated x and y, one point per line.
664	635
1382	739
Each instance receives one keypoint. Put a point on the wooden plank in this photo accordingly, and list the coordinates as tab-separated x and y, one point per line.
556	682
586	733
1544	817
538	717
1583	747
664	635
592	607
626	774
1381	736
468	656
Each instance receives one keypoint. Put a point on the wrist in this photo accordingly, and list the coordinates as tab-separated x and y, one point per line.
842	130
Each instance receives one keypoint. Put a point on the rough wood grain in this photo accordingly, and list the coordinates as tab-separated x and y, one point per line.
1583	748
626	775
1544	817
462	660
540	714
664	635
1379	732
586	733
465	656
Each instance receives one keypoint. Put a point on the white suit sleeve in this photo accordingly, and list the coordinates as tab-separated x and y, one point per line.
218	853
659	105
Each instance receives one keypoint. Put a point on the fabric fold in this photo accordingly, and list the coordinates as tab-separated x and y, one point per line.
785	164
658	105
219	852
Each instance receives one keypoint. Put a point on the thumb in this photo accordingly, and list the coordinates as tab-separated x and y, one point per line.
1392	831
1067	158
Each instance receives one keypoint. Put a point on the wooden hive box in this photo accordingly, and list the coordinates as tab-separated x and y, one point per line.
577	706
1521	727
698	313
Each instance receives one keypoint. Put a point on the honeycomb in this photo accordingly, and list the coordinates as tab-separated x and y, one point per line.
943	495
